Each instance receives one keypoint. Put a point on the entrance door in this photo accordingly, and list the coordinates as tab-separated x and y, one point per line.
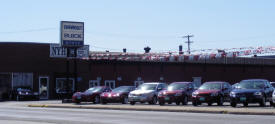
44	87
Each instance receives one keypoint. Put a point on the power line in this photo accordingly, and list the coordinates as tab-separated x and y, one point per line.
26	31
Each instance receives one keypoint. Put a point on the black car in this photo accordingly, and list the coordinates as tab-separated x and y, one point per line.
178	92
23	94
252	91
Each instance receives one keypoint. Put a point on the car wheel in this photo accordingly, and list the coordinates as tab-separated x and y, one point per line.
169	102
233	104
155	100
194	103
125	100
103	102
271	103
97	100
178	102
220	102
132	103
245	104
161	102
263	103
209	104
185	100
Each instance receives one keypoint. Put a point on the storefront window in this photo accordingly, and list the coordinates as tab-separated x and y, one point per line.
22	80
61	85
93	83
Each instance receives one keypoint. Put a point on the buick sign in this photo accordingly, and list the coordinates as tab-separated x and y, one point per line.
72	34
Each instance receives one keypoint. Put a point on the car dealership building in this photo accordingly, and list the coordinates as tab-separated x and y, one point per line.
43	67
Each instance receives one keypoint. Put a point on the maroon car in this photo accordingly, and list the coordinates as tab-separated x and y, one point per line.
178	92
90	95
212	92
119	94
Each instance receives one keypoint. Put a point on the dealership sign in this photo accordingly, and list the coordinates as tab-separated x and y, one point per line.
57	51
72	34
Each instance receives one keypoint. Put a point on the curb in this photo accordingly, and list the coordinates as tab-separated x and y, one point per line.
193	110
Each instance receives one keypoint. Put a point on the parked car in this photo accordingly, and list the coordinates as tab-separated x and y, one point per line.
252	91
178	92
211	92
90	95
23	93
146	92
119	94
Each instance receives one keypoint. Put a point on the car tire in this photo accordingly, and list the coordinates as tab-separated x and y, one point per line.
125	100
233	104
132	103
245	104
209	104
155	100
177	102
185	100
103	102
97	100
271	103
263	102
161	102
220	102
194	103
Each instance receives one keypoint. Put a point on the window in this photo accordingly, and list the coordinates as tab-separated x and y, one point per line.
61	85
22	80
137	83
110	83
93	83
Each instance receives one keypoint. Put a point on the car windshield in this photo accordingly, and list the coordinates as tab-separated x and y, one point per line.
211	86
122	89
251	84
147	87
177	86
94	89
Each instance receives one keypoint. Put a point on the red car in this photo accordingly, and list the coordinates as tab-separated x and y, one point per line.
178	92
90	95
119	94
211	92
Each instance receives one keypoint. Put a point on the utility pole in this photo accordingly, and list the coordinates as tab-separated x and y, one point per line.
188	42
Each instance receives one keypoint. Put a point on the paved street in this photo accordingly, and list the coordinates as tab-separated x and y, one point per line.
16	112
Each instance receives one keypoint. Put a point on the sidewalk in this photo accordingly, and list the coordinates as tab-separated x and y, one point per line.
221	110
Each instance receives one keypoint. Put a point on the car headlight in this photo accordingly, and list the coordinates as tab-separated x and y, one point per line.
195	93
232	94
258	93
102	94
214	94
117	94
20	92
160	94
178	94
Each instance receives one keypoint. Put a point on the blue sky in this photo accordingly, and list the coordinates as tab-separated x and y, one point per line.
133	24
